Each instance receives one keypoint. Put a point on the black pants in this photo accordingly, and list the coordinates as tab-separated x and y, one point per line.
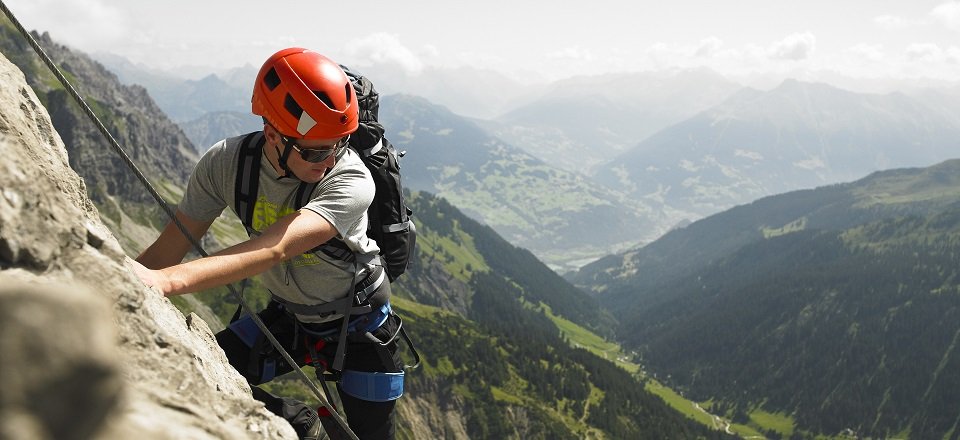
368	420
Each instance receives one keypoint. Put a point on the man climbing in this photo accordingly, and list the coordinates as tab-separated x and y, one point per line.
309	108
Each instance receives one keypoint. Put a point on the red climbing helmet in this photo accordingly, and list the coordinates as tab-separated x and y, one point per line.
305	95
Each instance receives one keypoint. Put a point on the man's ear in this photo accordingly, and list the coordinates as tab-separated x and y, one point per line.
271	133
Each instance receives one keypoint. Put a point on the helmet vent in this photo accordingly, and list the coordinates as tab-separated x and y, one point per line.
346	90
291	105
271	79
325	98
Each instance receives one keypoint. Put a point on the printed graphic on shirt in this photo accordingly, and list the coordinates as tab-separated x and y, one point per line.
266	213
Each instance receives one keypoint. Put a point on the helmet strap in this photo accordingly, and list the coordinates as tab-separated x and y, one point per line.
282	160
281	157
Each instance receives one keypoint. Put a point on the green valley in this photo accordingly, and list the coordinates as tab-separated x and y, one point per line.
823	313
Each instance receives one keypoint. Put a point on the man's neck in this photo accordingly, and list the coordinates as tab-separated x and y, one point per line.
272	155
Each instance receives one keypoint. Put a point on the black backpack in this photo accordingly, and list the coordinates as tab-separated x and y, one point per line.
389	224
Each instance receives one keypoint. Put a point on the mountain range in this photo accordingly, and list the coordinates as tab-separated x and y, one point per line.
798	135
660	149
559	215
478	379
580	123
835	308
184	99
475	93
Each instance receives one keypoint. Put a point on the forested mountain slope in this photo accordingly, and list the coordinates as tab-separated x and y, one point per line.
494	363
836	306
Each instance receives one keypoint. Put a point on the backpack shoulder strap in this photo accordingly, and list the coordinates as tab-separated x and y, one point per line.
248	177
304	191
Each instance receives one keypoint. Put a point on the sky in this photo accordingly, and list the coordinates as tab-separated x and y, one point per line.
530	40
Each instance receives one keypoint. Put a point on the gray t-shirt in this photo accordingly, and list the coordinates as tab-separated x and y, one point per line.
342	197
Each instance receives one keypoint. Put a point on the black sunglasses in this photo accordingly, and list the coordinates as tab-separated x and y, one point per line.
313	155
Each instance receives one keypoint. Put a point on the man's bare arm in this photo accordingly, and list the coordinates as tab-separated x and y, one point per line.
290	236
171	246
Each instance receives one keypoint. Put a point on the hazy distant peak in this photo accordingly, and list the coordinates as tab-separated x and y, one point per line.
793	84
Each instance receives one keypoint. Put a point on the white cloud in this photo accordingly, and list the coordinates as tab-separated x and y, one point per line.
570	61
661	48
892	22
71	21
575	53
662	55
952	57
928	60
479	60
750	58
709	47
863	67
869	52
924	52
580	60
383	48
948	14
794	47
430	52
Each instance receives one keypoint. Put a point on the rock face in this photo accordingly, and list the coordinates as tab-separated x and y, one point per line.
87	350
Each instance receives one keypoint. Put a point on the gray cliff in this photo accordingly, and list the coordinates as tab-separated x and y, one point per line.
87	350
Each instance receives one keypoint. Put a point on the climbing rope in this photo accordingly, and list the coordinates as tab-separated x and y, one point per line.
170	213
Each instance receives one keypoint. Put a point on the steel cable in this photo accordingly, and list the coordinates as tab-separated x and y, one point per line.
170	213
